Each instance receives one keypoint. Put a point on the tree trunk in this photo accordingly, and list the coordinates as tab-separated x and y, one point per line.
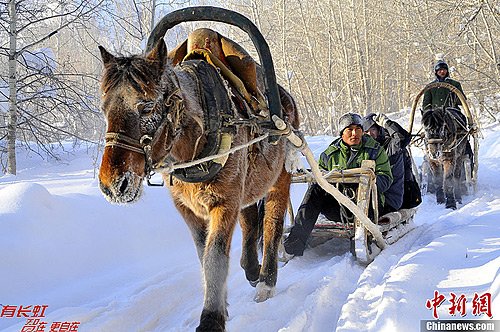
347	63
12	120
153	13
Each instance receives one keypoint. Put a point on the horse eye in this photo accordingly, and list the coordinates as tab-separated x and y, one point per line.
140	107
144	108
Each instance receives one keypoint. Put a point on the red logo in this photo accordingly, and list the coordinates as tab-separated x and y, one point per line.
33	313
481	304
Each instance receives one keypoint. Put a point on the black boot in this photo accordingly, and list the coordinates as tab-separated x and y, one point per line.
294	246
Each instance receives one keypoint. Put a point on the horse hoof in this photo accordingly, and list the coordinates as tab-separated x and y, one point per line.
253	283
264	292
211	322
451	205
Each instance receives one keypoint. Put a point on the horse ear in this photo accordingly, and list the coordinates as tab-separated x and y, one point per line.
158	53
105	55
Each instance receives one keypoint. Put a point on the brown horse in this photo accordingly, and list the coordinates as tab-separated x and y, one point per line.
156	115
446	141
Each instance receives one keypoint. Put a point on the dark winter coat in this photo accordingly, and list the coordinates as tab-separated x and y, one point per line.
395	139
340	156
442	97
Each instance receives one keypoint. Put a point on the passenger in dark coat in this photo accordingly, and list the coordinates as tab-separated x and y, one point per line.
394	139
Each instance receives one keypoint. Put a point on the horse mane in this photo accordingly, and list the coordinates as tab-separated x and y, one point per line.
433	119
136	71
437	118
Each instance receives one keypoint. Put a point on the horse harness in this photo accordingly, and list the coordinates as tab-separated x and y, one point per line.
218	113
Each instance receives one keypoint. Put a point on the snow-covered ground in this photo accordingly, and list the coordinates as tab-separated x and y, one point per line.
134	268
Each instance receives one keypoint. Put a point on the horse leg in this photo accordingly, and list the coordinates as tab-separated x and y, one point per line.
216	265
276	204
250	232
449	184
197	226
458	175
437	176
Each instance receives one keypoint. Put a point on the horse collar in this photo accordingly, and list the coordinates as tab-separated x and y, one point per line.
217	111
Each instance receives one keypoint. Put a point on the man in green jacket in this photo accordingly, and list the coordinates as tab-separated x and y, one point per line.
441	97
346	152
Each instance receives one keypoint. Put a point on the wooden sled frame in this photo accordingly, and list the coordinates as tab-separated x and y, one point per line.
392	225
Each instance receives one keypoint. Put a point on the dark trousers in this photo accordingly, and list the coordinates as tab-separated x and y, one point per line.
315	201
385	209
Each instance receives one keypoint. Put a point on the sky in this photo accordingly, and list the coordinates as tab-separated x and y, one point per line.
70	257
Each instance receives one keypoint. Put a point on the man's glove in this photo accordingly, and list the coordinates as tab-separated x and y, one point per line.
381	119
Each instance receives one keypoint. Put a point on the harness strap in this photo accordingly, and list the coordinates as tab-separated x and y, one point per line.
124	142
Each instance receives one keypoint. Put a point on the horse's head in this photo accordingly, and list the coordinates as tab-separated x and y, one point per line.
436	132
440	132
136	101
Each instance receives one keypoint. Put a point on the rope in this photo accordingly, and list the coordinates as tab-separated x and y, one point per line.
123	141
172	167
457	144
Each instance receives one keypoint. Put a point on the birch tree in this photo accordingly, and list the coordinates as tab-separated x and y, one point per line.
36	94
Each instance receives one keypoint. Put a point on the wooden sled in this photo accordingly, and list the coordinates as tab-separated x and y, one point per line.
393	225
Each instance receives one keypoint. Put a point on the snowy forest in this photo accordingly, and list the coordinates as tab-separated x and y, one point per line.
73	261
334	56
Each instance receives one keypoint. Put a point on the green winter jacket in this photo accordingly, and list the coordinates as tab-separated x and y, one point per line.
439	97
340	156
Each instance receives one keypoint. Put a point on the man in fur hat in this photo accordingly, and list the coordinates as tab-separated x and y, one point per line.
345	152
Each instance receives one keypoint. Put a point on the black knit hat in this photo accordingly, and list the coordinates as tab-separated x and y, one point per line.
349	119
369	121
440	65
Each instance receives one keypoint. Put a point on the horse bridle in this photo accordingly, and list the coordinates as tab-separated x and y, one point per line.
172	106
452	145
